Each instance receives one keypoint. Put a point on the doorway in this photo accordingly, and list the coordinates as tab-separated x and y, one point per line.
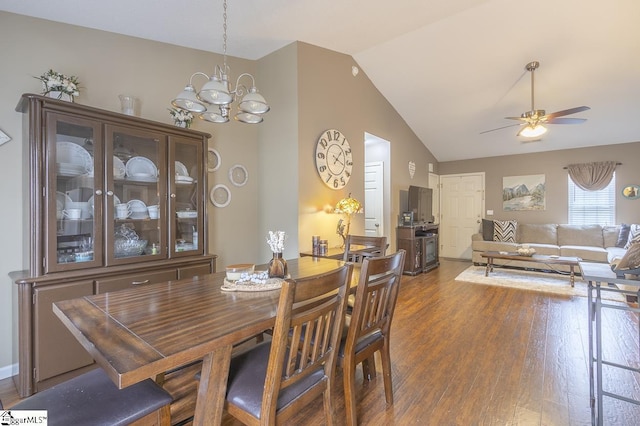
377	185
461	208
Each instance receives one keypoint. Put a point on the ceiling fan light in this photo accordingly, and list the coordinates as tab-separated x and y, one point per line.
530	131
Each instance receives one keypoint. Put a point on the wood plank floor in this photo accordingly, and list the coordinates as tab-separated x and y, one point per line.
468	354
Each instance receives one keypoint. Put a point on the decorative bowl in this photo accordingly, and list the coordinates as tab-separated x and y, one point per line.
234	272
526	251
124	247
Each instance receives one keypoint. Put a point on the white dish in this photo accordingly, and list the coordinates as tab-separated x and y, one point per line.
142	178
72	153
119	169
187	214
184	179
138	209
61	200
181	170
141	165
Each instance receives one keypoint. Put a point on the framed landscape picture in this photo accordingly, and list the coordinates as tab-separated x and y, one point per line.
523	192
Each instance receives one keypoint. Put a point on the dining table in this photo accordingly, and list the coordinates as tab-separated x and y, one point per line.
142	332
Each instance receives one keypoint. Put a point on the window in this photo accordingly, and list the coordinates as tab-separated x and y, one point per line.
592	207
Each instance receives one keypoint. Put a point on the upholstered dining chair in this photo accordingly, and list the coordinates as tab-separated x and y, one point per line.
365	246
369	328
273	380
93	399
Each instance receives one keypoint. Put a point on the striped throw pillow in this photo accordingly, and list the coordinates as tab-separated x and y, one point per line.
504	231
634	235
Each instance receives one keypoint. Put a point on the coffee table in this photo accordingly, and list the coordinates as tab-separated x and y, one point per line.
570	261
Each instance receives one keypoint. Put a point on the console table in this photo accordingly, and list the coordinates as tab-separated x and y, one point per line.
599	275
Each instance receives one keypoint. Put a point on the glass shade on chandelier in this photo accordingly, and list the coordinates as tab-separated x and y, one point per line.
532	130
213	102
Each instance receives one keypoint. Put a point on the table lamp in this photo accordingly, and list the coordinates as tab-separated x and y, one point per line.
347	206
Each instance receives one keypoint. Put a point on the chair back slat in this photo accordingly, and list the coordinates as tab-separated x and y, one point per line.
308	326
359	247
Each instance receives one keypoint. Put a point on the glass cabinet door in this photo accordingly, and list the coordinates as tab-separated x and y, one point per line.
186	163
134	199
73	170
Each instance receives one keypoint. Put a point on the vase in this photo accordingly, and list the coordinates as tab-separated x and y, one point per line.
60	95
183	124
277	266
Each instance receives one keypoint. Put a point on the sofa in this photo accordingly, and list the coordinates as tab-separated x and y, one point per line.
591	243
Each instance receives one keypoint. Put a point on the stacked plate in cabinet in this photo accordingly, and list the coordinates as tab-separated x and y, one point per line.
182	174
72	159
141	169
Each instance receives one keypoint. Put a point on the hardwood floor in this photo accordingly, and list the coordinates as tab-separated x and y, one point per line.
468	354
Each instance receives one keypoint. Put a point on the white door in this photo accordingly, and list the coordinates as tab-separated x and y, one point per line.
373	199
462	204
434	184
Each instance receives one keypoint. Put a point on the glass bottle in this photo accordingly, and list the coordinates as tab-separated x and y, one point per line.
277	266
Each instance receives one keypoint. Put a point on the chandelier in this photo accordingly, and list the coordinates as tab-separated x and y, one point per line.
213	102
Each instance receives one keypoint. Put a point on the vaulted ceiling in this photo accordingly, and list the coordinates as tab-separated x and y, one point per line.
452	69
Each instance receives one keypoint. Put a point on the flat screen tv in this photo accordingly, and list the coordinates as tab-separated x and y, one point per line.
421	204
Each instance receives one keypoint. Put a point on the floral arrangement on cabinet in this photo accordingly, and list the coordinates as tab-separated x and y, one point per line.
59	86
181	117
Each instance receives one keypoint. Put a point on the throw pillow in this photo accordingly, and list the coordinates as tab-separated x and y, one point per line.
634	235
623	236
504	231
631	259
487	230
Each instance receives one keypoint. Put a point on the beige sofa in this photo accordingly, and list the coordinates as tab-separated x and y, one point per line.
591	243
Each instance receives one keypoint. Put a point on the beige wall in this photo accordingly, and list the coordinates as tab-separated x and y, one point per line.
309	90
551	164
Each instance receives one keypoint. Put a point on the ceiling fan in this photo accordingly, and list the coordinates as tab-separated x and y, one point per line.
533	121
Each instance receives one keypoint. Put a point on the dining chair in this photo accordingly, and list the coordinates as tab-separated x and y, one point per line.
365	247
93	399
370	324
274	379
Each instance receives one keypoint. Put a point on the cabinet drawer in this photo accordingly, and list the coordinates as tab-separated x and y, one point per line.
128	281
193	271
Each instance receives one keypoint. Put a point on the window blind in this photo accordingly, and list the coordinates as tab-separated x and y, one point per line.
592	207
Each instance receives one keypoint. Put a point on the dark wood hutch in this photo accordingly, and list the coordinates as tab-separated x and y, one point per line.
82	163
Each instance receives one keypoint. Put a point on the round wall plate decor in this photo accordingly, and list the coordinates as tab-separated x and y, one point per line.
213	159
238	175
220	195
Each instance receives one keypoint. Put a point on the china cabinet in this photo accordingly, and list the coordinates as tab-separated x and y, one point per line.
114	201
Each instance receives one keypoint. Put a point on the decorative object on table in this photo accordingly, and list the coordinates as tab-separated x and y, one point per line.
59	86
315	244
277	265
525	250
4	137
129	105
238	175
347	206
523	192
213	101
252	281
181	117
334	160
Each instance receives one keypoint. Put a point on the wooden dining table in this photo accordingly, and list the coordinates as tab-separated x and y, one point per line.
141	332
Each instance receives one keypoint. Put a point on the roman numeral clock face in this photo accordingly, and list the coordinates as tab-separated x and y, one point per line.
333	159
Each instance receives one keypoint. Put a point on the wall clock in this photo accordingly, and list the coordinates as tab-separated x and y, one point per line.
334	160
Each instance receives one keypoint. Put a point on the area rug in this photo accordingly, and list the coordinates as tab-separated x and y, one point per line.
544	282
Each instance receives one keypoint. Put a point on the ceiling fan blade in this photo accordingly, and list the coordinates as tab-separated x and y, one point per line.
566	120
500	128
516	118
566	112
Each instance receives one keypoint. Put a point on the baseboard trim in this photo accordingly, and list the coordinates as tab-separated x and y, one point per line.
8	371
